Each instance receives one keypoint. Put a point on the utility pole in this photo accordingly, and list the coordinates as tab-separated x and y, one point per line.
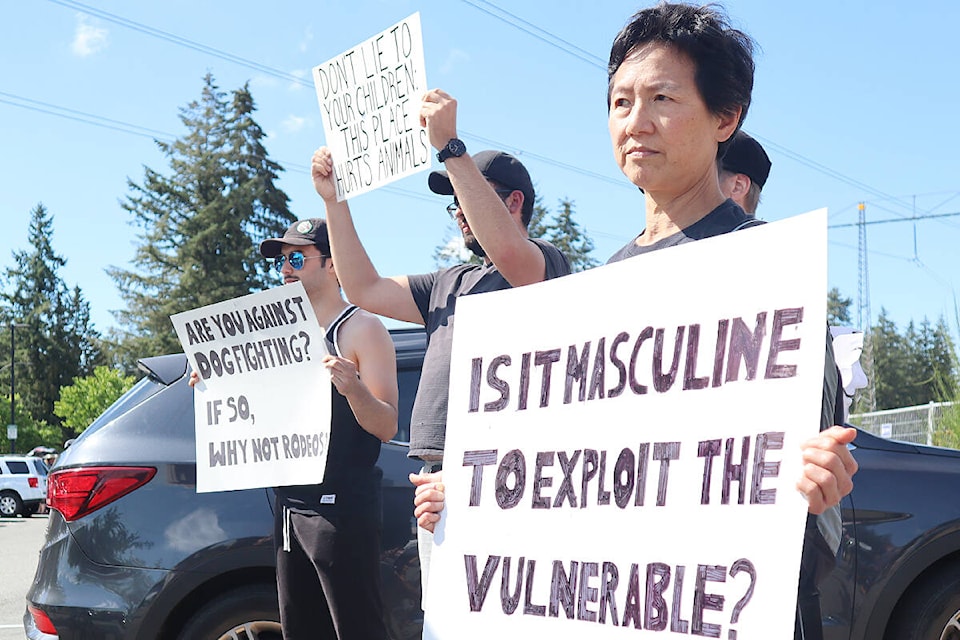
12	425
864	316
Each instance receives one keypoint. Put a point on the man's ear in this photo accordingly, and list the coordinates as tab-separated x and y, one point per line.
514	202
741	185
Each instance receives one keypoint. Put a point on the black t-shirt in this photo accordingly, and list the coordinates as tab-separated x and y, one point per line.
436	296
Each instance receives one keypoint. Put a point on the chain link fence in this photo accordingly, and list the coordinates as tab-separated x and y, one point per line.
910	424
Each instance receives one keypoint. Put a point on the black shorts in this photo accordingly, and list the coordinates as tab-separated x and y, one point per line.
329	581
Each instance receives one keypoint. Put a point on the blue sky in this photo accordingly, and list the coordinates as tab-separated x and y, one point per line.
855	101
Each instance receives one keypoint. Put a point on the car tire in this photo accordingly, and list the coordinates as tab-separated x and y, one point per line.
247	613
10	504
930	610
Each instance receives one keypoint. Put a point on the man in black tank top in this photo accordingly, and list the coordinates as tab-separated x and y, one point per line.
327	536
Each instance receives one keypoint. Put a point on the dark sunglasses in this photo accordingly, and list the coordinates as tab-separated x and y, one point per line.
453	206
296	259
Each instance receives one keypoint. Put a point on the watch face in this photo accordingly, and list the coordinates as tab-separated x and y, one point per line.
456	147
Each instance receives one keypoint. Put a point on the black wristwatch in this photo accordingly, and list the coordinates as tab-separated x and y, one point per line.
453	149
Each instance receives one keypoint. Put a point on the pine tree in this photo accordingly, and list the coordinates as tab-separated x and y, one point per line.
57	342
838	309
564	232
561	230
200	225
891	360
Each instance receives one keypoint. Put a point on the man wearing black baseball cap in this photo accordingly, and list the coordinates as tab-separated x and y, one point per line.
744	169
327	536
493	200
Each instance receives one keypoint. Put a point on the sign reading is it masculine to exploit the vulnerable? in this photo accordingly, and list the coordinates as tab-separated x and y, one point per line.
623	445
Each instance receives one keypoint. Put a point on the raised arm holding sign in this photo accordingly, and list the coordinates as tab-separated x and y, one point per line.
493	203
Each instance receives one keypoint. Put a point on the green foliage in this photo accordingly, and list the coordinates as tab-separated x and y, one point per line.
83	401
838	309
200	225
560	229
30	433
565	234
947	433
54	338
912	368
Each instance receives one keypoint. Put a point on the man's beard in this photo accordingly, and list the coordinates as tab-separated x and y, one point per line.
470	242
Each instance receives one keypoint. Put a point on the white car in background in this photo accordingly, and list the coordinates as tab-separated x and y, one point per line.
23	485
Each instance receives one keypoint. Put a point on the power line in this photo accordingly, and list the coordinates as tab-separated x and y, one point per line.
184	42
496	12
86	118
575	51
538	33
911	219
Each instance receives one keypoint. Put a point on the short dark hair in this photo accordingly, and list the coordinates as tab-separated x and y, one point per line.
721	55
526	212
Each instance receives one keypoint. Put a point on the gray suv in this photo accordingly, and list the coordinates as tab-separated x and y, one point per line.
134	552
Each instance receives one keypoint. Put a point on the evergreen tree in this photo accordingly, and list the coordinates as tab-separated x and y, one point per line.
935	362
57	341
892	360
838	309
565	234
561	230
200	225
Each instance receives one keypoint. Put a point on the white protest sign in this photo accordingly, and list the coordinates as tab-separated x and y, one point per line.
370	105
262	406
623	445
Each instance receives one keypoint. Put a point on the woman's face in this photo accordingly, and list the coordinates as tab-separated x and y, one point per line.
664	137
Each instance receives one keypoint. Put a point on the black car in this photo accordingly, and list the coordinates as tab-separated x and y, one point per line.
898	569
133	551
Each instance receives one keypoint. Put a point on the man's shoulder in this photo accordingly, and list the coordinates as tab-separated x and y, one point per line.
364	330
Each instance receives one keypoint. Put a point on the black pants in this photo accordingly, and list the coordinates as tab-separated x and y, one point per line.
329	581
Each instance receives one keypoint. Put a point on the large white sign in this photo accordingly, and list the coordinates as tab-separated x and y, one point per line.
370	101
623	445
262	405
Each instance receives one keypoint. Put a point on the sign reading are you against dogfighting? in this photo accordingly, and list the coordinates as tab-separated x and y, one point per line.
262	405
623	445
370	106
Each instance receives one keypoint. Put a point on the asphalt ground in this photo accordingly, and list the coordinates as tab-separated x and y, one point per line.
20	542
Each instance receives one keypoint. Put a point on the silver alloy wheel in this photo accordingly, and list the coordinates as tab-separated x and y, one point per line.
258	630
8	505
952	629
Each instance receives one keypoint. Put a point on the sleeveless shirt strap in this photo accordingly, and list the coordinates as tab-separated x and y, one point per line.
333	330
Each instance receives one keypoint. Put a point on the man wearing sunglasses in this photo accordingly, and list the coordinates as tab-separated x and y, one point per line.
327	536
493	204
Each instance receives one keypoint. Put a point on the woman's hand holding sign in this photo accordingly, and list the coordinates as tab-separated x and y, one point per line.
828	468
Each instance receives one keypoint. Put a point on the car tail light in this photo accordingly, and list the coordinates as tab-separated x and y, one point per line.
78	492
42	620
33	482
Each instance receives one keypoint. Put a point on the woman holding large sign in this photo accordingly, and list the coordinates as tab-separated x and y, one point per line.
680	83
